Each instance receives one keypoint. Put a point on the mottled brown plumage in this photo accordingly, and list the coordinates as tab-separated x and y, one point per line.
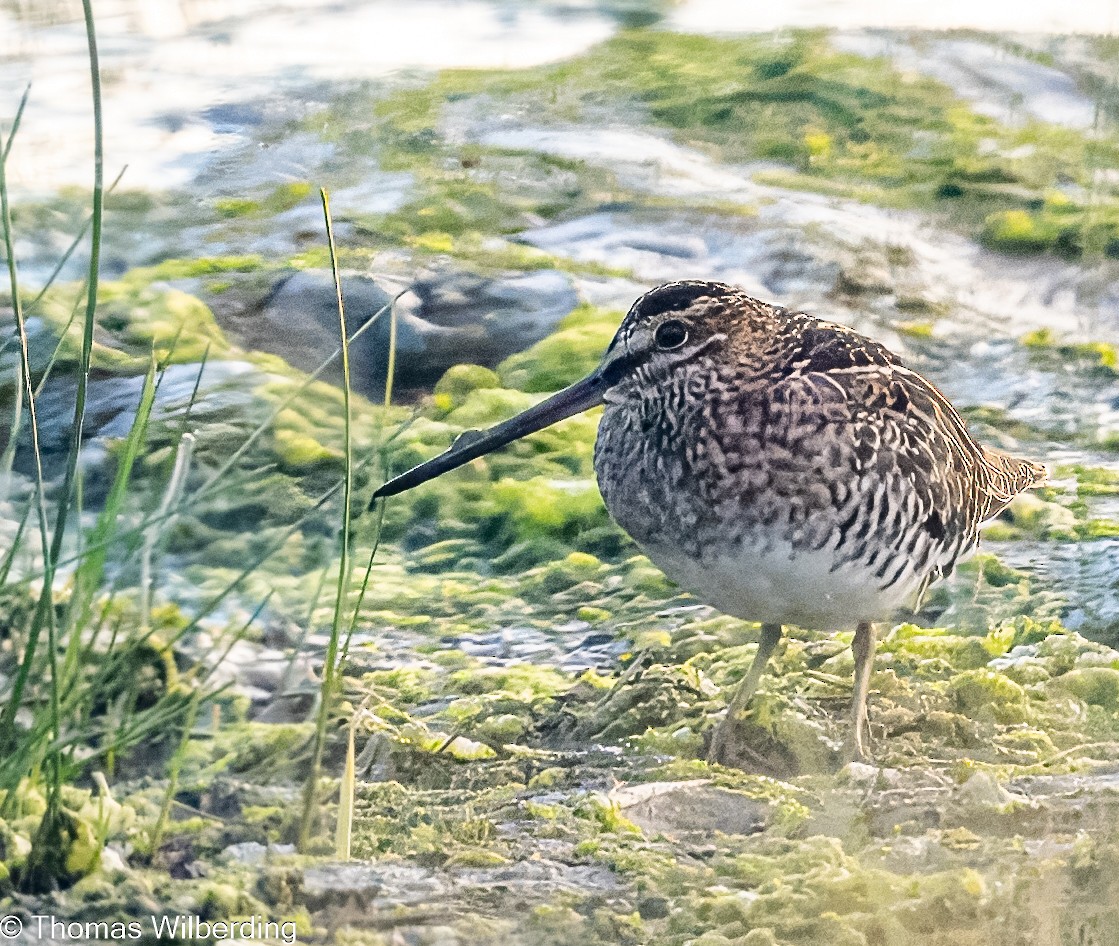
786	469
776	433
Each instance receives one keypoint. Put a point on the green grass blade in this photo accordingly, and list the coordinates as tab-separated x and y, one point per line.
43	378
88	577
343	832
42	863
330	665
43	608
364	585
174	769
10	555
8	456
151	538
70	250
16	123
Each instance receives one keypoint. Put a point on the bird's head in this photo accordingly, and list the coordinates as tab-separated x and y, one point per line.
664	330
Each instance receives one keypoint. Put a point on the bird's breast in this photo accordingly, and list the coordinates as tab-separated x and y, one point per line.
765	514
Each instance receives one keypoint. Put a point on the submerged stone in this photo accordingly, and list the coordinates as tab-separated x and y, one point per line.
693	807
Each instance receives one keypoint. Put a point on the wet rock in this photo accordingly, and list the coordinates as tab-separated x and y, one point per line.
870	776
290	707
253	852
270	669
653	908
282	632
691	807
243	662
518	644
596	652
448	318
483	648
41	342
463	317
298	320
1073	789
112	861
370	885
912	854
541	877
224	391
984	791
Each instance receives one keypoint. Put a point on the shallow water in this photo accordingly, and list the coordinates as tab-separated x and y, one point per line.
178	77
1043	16
997	82
176	73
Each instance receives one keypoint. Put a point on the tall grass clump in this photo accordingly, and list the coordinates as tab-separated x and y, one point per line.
71	706
90	683
44	752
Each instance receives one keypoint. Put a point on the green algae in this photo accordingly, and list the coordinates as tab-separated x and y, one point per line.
840	124
565	356
533	498
1031	516
194	267
1098	686
452	390
463	195
1091	480
280	198
809	876
138	318
980	691
1098	358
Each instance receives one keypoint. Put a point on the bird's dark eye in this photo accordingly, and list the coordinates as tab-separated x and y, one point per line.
671	334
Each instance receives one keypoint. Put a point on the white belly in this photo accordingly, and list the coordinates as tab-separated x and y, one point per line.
775	586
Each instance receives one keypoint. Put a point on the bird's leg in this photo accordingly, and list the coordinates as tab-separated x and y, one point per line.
863	648
767	644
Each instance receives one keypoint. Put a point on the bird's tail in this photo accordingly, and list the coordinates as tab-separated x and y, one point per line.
1008	476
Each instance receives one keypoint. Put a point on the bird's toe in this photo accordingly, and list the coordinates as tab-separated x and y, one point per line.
855	750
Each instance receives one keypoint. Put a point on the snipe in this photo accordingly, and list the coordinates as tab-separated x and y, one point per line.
785	469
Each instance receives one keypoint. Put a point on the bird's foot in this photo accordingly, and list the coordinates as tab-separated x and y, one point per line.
855	750
722	738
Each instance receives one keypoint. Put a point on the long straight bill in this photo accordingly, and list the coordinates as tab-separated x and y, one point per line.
572	400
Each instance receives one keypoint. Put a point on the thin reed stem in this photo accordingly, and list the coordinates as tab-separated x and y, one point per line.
151	537
26	391
330	665
8	456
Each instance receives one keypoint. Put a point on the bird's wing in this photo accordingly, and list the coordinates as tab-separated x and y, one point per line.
924	417
999	477
901	495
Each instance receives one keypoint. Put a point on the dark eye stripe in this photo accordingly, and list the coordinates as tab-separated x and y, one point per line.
671	334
